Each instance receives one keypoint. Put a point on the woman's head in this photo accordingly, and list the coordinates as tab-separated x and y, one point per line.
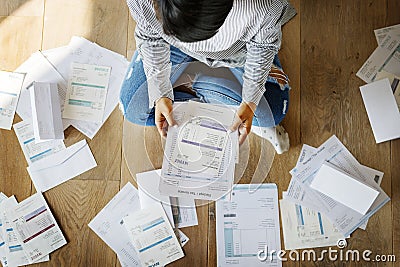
192	21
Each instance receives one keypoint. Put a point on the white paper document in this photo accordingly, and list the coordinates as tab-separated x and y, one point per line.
46	112
153	237
35	151
36	227
10	88
343	188
61	166
382	110
248	224
380	34
107	224
200	154
87	92
306	228
184	212
385	57
182	238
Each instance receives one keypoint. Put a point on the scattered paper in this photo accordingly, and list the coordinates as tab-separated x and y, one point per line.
382	110
247	224
107	224
46	112
183	239
10	88
184	212
153	237
36	227
385	57
306	228
35	151
61	166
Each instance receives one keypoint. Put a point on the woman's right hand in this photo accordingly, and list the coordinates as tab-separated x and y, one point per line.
163	115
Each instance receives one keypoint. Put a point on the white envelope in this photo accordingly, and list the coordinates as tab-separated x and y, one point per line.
343	188
61	166
46	112
382	110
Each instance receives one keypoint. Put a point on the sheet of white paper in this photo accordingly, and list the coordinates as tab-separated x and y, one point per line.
247	224
61	166
81	50
184	212
153	237
87	92
384	57
3	258
10	88
382	110
182	238
36	228
35	151
343	188
380	34
38	68
394	84
107	224
187	170
306	228
149	195
46	112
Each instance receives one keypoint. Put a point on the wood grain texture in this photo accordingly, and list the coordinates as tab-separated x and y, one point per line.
74	204
25	8
336	38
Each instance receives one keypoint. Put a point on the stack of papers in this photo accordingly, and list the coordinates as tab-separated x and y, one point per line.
200	154
28	231
54	66
248	231
379	96
130	231
10	88
313	186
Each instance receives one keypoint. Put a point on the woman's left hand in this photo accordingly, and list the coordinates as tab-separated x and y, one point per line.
243	120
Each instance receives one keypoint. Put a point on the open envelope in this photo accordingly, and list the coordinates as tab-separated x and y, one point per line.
61	166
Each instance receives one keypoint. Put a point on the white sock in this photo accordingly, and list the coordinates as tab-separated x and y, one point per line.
276	135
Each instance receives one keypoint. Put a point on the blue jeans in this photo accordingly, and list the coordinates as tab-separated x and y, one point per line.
135	103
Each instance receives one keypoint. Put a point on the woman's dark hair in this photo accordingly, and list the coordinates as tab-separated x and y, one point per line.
191	20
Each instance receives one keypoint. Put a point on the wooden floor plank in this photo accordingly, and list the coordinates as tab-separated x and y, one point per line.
336	39
74	204
24	8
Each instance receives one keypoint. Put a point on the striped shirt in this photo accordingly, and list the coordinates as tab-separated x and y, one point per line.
250	37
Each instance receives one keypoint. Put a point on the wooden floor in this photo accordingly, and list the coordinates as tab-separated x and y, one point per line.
322	49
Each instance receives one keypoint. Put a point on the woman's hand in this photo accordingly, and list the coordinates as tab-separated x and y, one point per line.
243	120
163	115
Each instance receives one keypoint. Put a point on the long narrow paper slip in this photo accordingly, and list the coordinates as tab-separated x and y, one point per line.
87	92
10	88
382	110
36	227
153	236
46	112
248	227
